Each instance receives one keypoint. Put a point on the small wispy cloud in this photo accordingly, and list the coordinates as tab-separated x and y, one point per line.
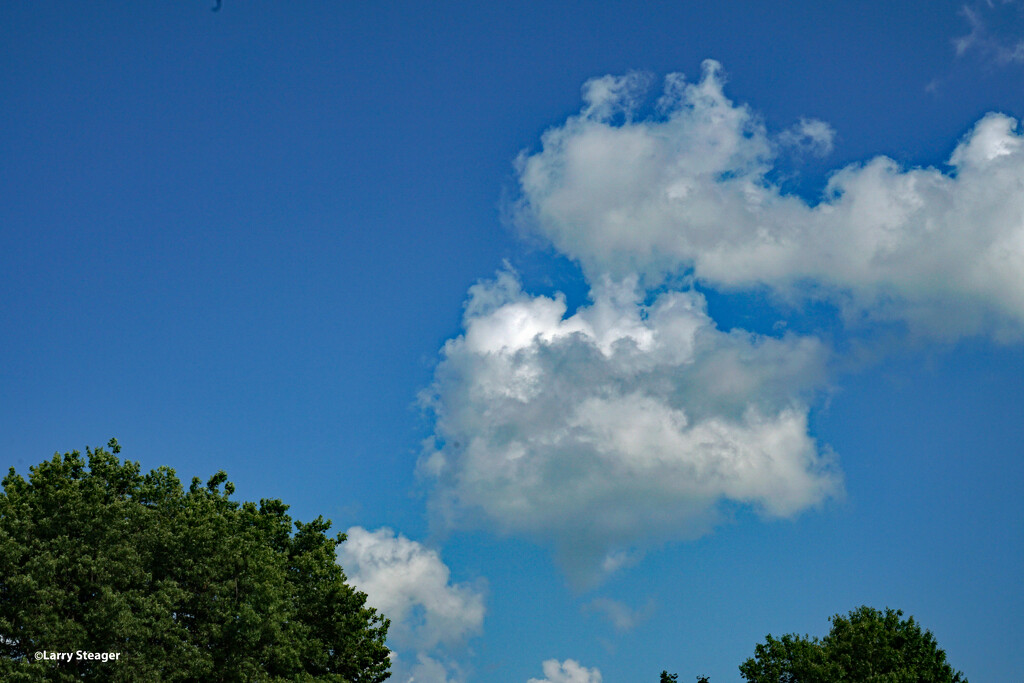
621	616
995	31
811	136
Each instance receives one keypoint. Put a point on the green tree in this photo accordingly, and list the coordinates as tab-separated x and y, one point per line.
185	585
866	646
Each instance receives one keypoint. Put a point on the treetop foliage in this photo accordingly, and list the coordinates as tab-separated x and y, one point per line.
186	585
866	646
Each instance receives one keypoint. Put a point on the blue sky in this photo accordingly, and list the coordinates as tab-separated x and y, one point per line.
321	246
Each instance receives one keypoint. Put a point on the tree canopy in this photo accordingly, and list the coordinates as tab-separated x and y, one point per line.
867	646
96	557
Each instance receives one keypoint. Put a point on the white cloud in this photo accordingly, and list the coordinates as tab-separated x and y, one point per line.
688	191
569	671
623	424
411	586
634	420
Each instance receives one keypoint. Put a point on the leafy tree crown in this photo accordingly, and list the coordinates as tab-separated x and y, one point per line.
186	585
865	646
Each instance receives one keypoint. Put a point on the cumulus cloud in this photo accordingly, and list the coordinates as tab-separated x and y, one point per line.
688	190
634	419
625	423
411	585
569	671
